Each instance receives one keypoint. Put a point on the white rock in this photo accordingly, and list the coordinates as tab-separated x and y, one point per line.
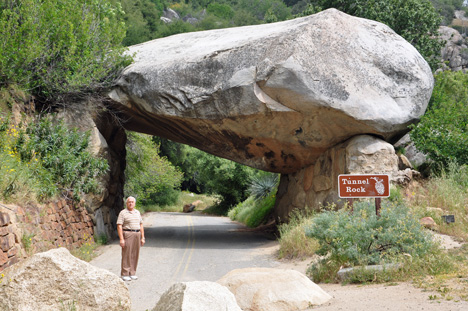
267	289
56	280
197	296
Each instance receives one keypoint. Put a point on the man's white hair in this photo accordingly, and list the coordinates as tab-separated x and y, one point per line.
129	199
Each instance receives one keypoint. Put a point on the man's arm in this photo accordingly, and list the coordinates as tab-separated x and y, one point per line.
120	233
142	232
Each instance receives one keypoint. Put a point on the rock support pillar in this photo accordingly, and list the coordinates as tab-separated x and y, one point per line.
317	185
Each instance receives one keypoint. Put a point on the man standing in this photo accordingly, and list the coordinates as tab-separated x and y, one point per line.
131	235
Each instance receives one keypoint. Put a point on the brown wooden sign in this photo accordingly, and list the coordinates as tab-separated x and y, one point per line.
364	186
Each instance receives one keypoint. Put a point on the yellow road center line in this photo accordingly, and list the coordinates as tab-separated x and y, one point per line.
193	246
189	240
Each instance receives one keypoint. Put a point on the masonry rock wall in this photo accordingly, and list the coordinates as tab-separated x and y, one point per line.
36	228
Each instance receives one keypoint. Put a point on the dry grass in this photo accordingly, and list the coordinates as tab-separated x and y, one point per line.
438	197
293	241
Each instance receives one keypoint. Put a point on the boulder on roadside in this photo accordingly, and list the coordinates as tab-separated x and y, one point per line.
197	296
188	208
429	223
56	280
268	289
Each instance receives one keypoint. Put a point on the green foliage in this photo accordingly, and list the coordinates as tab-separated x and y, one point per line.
149	177
27	241
362	238
64	154
263	185
19	181
54	47
221	10
259	8
173	28
253	212
415	20
442	132
205	173
45	159
222	177
446	9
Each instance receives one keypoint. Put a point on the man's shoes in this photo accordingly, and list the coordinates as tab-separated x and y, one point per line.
126	278
133	277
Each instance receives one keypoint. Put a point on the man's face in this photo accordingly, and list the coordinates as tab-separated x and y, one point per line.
130	204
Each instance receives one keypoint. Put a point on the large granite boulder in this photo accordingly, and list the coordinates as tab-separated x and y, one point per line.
268	289
276	96
197	296
55	280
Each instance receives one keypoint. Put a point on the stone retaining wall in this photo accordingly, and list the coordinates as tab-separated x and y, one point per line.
30	229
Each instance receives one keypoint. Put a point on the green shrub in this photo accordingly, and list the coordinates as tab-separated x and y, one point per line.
44	160
64	155
164	196
362	238
55	47
220	10
442	132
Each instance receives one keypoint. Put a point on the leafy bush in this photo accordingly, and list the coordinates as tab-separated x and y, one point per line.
442	132
221	10
64	154
18	180
149	177
45	159
362	238
54	47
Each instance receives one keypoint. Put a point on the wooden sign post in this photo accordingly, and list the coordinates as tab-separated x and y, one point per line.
364	186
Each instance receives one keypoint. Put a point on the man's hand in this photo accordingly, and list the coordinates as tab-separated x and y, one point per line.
142	241
122	243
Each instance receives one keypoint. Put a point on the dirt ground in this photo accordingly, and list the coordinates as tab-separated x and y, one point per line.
377	297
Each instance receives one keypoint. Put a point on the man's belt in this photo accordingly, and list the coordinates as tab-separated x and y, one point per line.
131	230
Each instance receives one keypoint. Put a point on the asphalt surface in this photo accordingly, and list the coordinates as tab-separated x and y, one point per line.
187	247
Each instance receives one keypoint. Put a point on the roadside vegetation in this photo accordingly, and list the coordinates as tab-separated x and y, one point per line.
44	160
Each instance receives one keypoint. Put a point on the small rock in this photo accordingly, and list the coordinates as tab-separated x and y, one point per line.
428	222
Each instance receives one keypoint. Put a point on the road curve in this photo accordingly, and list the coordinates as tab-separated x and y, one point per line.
187	247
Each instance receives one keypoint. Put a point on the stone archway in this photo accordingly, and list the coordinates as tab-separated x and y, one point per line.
292	97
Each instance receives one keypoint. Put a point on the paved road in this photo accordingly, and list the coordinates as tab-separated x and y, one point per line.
187	247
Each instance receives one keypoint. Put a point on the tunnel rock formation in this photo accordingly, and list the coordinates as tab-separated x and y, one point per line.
277	96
